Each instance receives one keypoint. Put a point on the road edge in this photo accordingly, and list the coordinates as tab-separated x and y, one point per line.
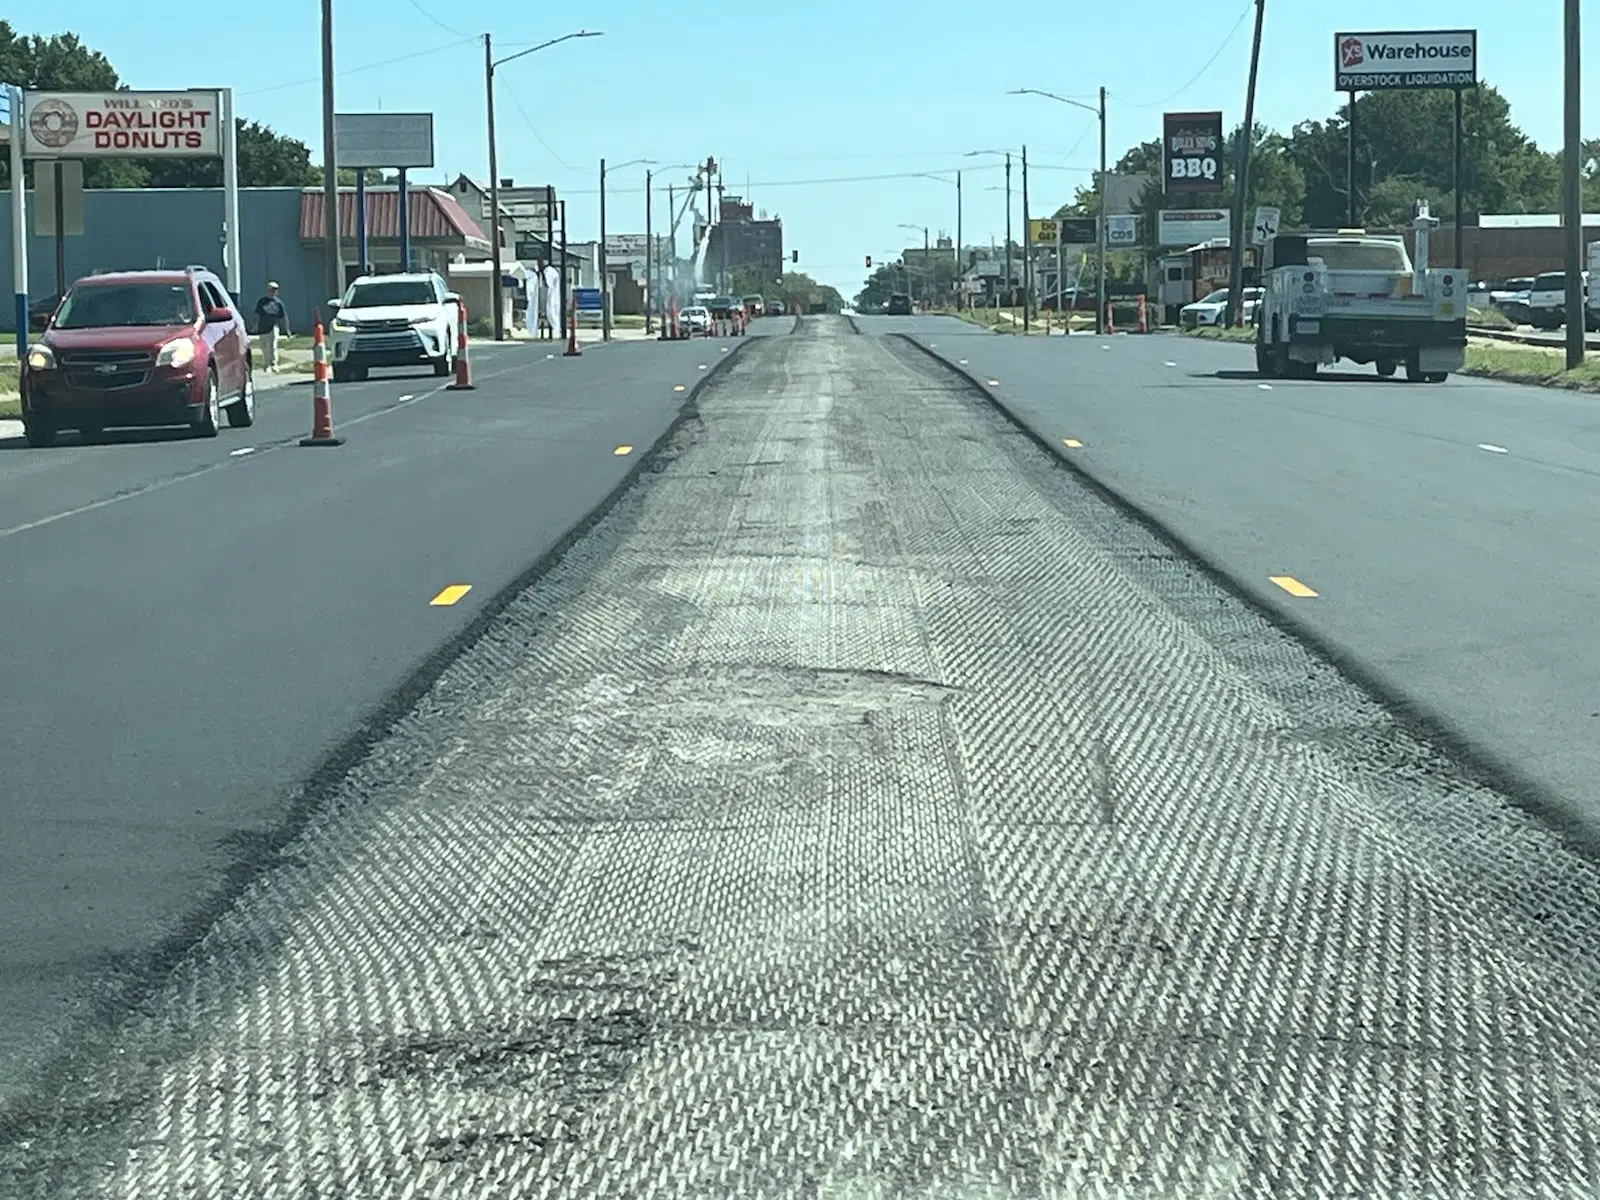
128	981
1421	721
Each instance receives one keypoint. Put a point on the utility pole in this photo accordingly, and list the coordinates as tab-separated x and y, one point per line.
649	257
672	229
605	283
1027	248
333	253
1105	218
961	253
1009	296
1241	181
1572	200
494	196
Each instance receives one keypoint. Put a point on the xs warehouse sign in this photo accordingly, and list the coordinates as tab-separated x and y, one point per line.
1369	62
1191	151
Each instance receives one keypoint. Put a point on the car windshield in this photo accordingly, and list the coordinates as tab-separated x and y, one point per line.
1220	296
694	312
102	305
1351	255
390	292
1551	281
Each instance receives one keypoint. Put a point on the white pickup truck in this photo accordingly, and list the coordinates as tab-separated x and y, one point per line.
1353	295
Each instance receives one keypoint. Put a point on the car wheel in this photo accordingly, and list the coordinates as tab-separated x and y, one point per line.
39	434
1437	377
209	423
242	412
1414	372
358	374
445	363
1387	367
341	373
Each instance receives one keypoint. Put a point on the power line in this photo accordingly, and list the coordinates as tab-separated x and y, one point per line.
772	183
455	32
373	66
528	121
1210	62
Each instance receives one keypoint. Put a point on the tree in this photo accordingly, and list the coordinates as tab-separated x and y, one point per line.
63	63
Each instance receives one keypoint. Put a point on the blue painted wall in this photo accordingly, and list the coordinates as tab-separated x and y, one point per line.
150	227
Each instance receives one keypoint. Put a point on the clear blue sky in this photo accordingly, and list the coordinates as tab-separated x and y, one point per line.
821	90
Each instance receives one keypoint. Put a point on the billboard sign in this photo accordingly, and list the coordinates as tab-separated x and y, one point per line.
626	245
1122	231
1044	231
1079	231
392	140
1190	228
1191	152
1371	62
122	124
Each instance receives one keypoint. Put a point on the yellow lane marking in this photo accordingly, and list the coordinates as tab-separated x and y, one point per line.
450	595
678	388
1072	443
621	450
1292	585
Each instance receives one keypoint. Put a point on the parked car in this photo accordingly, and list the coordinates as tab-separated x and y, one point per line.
394	321
1547	299
899	304
775	308
722	308
140	348
754	306
1214	308
695	319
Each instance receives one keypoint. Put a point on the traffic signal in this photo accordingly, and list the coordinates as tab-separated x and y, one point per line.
869	260
794	256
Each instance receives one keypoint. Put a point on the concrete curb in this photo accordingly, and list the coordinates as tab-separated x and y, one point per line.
1419	720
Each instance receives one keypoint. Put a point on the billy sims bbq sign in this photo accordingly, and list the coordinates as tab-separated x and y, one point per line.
1368	62
1191	151
121	124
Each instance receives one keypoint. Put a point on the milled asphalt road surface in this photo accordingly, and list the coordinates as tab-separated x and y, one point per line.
863	807
1448	530
190	630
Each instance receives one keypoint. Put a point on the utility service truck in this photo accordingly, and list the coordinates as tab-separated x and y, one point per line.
1355	295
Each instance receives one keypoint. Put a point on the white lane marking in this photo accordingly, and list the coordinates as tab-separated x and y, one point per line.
1265	387
1105	347
407	396
241	451
963	362
1493	449
1171	364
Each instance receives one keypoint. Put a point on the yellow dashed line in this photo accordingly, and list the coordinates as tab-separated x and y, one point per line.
621	450
450	595
1292	585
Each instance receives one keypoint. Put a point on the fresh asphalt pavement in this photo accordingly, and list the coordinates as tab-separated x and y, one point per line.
1448	530
192	626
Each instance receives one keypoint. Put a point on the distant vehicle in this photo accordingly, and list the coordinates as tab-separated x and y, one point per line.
1511	298
1547	299
140	348
1213	309
775	308
754	305
696	318
395	321
723	307
1353	295
899	305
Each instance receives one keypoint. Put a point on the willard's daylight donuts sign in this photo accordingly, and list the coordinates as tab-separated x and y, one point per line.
117	124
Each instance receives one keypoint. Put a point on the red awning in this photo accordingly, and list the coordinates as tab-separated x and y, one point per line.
435	216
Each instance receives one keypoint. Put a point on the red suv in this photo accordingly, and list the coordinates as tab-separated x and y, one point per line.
140	348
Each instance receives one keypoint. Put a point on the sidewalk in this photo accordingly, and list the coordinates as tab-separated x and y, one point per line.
864	807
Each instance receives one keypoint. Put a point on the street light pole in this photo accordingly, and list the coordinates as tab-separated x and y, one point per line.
649	257
1572	187
489	64
494	197
605	284
1027	248
961	252
332	251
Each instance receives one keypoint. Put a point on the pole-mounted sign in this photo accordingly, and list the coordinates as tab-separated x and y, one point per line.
1191	152
1372	62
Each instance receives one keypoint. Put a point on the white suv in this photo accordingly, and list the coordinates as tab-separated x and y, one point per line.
1547	299
395	321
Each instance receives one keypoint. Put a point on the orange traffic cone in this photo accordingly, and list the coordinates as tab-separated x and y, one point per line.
463	381
321	396
1144	316
572	330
